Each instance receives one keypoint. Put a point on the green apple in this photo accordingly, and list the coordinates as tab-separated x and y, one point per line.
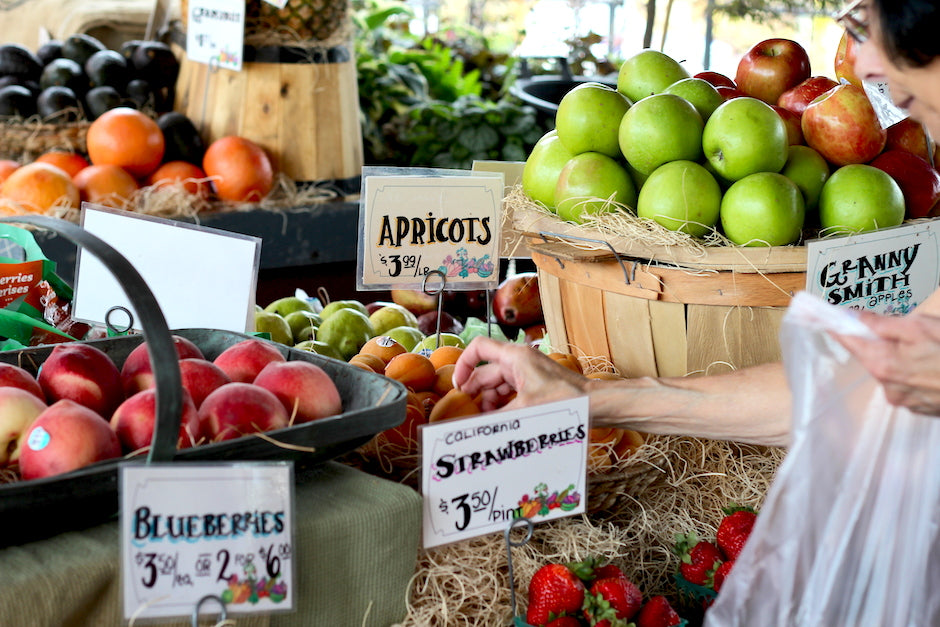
589	184
648	72
406	336
588	118
301	321
289	304
743	136
346	330
337	305
542	167
681	196
659	129
275	326
428	344
763	209
809	170
702	94
391	316
859	198
320	348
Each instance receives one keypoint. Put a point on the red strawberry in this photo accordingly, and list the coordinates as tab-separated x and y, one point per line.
698	563
565	621
657	613
734	530
553	592
612	600
721	573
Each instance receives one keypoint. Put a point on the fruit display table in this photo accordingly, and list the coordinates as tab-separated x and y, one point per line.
356	545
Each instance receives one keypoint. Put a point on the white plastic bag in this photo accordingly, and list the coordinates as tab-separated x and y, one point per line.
849	532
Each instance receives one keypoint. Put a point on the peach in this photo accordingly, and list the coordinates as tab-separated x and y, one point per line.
306	391
200	377
18	410
136	373
84	374
66	436
236	409
135	419
243	361
14	376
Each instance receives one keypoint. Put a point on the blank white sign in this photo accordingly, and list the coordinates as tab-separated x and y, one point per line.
201	277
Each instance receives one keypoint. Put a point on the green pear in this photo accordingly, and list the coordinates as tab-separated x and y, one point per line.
306	334
346	330
289	304
391	316
275	326
337	305
406	336
301	320
320	348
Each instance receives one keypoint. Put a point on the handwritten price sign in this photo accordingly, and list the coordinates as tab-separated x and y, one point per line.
483	472
215	33
413	225
192	530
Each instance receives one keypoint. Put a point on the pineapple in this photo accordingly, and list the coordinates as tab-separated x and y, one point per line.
309	19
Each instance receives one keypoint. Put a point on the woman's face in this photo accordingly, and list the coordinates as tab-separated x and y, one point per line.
915	89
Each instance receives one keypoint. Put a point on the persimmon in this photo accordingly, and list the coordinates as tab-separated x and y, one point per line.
241	170
191	177
108	185
37	187
71	162
128	138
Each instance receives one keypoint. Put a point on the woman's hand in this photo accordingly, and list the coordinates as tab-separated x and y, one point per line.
905	358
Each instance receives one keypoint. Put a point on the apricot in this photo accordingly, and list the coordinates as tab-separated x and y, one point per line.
454	404
414	370
368	361
628	443
444	355
427	401
405	435
567	360
604	375
383	347
444	382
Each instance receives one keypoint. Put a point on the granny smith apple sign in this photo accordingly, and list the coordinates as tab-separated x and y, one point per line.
744	136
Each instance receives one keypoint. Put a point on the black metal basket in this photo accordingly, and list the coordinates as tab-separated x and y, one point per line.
40	508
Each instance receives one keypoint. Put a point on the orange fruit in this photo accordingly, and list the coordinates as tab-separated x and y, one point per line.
108	185
71	162
443	355
414	370
191	177
7	166
367	361
605	375
444	382
383	347
567	360
39	186
128	138
241	169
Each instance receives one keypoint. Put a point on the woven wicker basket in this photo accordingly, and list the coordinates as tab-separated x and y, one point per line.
24	141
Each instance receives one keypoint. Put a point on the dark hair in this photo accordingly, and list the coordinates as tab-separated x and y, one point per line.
910	30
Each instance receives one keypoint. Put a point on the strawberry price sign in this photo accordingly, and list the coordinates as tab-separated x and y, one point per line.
481	473
214	530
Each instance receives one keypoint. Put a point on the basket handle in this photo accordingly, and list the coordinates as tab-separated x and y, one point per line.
160	347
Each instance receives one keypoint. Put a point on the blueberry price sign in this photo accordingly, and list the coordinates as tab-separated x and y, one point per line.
192	530
889	271
481	473
413	225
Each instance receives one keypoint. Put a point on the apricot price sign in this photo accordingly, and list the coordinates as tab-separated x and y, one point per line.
483	472
189	531
215	33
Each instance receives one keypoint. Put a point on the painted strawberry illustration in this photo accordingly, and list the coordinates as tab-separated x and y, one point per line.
699	559
612	599
554	591
658	612
734	530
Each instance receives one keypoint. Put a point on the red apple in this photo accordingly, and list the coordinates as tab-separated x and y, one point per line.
243	361
918	179
845	60
136	373
135	419
793	123
238	409
14	376
18	410
911	136
200	377
65	437
771	67
730	92
304	388
843	127
797	98
715	78
84	374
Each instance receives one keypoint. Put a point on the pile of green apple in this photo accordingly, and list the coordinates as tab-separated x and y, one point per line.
761	159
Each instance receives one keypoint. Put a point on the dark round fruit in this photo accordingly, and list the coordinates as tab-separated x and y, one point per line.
107	67
80	47
64	73
49	51
59	102
101	99
181	138
139	92
127	49
156	63
16	100
19	61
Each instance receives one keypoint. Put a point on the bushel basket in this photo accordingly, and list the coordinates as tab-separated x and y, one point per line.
35	509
